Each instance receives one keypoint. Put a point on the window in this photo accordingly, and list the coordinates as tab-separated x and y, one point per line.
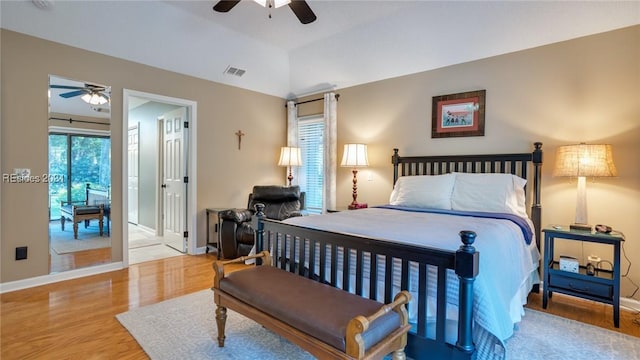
83	159
310	174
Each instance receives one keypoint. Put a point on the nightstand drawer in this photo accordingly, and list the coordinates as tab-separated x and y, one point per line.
581	286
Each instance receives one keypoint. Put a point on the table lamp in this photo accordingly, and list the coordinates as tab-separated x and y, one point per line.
290	157
355	156
584	161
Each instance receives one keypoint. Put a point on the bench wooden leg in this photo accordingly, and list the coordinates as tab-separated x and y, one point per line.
221	320
62	219
399	355
75	230
101	223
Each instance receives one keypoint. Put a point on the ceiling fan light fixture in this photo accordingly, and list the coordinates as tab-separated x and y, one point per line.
94	99
299	7
100	99
279	3
274	3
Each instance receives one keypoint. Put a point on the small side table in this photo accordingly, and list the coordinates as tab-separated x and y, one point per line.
603	286
216	228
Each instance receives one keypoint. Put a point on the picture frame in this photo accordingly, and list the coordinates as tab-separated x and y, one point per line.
458	115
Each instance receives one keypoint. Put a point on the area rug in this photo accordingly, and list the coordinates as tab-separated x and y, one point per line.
62	242
184	328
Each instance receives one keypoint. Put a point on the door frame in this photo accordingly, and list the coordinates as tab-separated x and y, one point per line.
191	194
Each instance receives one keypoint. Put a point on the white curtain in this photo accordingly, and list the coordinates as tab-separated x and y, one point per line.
331	153
292	133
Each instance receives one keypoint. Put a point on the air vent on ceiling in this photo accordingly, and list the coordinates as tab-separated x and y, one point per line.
43	4
230	70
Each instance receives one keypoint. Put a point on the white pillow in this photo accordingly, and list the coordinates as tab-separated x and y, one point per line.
423	191
500	193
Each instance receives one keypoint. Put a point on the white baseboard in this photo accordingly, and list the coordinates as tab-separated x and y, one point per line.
630	303
65	275
203	250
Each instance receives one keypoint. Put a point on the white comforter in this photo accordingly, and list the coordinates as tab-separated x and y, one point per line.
508	266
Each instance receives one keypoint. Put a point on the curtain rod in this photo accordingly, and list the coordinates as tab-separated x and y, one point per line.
70	120
312	100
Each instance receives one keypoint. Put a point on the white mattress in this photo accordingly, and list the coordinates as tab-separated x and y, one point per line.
508	266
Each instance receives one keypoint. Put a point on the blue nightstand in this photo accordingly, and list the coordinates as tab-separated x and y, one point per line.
602	286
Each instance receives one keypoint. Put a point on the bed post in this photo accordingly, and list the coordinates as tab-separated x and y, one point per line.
536	208
259	226
395	159
466	267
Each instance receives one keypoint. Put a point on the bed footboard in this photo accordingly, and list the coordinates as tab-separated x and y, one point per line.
376	269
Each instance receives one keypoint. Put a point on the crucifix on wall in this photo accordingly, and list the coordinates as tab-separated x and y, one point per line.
239	134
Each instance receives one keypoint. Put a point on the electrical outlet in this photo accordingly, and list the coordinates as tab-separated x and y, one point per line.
24	172
21	252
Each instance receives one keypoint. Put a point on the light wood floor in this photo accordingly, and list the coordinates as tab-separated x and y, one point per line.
94	257
75	319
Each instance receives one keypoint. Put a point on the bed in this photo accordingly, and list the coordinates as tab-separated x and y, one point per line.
469	271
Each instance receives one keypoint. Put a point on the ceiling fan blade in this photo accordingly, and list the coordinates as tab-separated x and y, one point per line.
302	11
73	93
68	87
225	5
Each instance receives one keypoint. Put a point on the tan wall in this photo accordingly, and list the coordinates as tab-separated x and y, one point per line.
225	174
584	90
581	90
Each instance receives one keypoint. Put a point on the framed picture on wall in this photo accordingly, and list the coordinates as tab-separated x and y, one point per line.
458	115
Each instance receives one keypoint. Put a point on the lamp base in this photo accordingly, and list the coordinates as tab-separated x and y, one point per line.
580	227
355	205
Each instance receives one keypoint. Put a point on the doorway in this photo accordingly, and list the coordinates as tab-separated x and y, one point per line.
159	204
79	174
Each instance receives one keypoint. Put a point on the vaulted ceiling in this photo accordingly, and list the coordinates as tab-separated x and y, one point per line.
351	43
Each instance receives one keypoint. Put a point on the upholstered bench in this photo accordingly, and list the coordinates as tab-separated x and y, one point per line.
95	206
325	321
78	213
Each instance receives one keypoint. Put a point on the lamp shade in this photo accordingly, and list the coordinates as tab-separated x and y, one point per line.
584	160
355	155
290	156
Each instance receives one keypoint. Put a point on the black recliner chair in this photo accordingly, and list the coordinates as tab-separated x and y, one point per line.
237	236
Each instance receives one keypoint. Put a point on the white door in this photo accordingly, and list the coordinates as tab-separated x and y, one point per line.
132	151
174	171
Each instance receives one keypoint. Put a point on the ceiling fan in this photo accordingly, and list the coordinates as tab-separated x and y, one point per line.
91	94
299	7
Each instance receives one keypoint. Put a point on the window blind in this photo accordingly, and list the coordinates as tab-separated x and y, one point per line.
310	175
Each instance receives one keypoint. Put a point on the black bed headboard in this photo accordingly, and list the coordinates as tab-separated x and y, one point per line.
526	165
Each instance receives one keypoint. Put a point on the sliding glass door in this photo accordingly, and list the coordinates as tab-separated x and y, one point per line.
75	161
